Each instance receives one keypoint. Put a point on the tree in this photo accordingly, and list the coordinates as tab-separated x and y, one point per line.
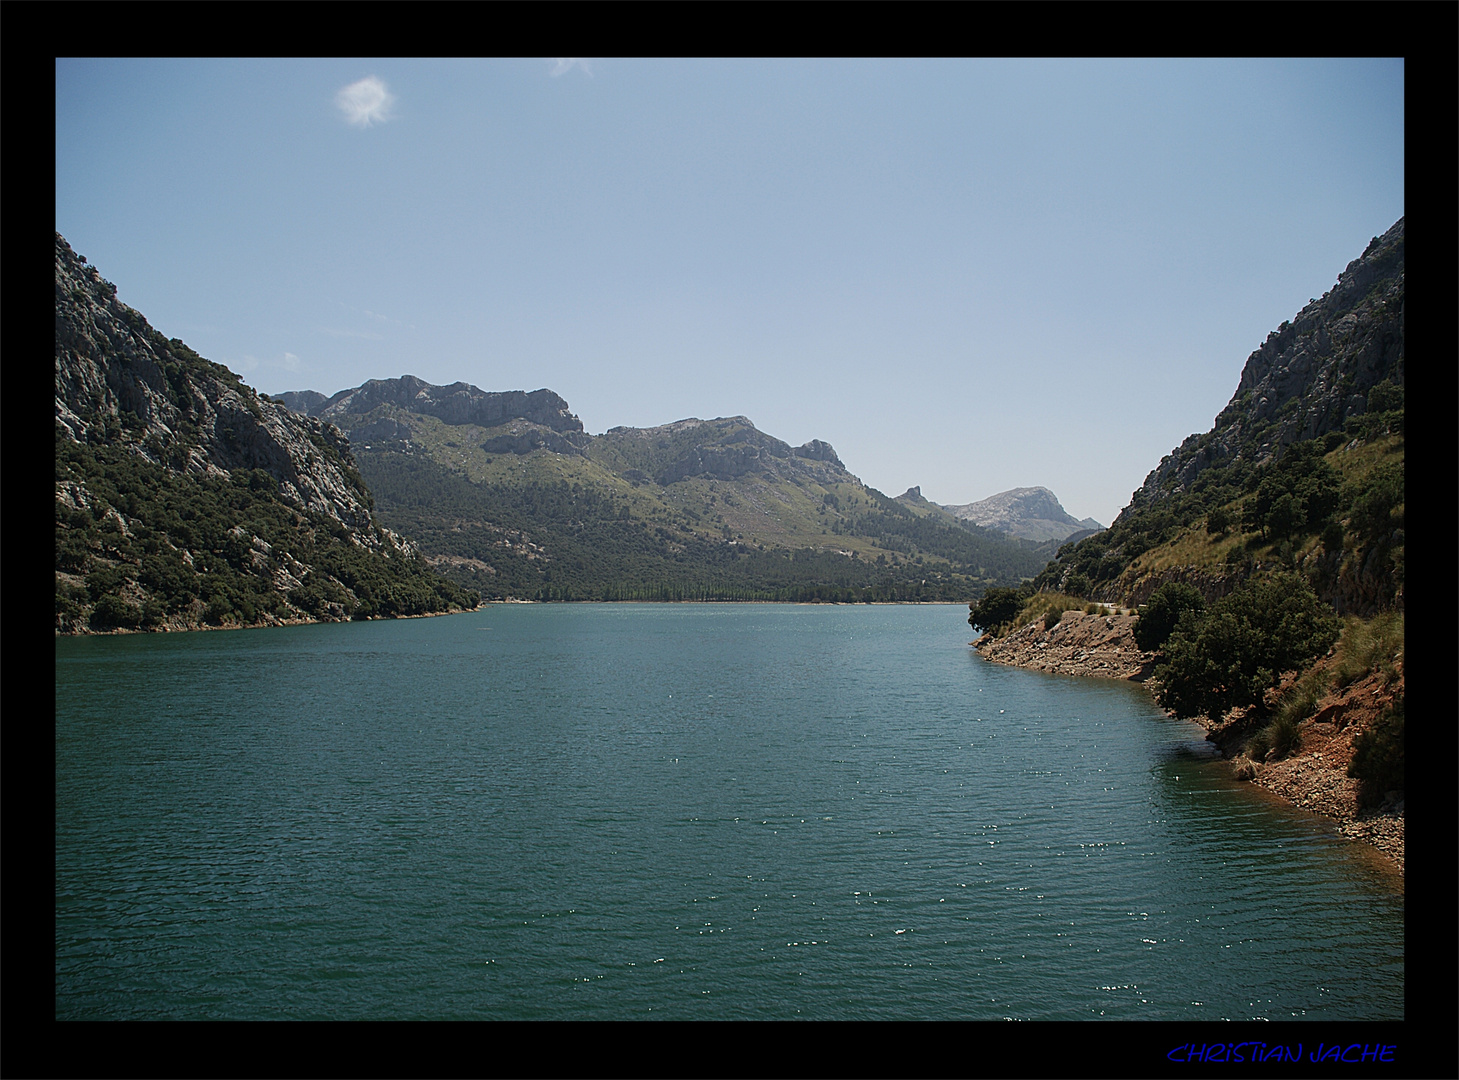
1286	516
1241	648
997	607
1161	613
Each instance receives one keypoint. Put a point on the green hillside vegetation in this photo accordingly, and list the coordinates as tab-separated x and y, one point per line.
1366	647
1292	539
562	526
1278	535
157	547
1336	516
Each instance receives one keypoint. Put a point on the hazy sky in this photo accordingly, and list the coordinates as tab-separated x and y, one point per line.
968	275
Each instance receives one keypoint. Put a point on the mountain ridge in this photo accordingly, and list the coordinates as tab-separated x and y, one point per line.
1310	376
1033	513
1311	442
703	505
185	499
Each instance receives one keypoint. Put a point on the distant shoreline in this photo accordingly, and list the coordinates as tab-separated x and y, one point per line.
118	631
788	603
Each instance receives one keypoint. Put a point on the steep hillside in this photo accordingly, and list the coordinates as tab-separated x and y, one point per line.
1244	547
1311	377
1302	469
184	499
507	494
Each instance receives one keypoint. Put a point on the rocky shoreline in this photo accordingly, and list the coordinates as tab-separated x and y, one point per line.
1313	778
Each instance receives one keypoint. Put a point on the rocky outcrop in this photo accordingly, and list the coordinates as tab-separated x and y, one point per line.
385	429
816	450
1079	644
119	380
523	436
717	462
1310	376
185	499
1032	513
459	403
308	402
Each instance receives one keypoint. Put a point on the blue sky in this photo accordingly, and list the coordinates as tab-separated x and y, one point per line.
966	275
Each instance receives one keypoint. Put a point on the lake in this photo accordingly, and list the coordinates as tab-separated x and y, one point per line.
678	811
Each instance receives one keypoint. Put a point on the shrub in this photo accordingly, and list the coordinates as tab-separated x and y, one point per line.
112	611
997	607
1091	609
1159	617
1378	756
1218	522
1052	616
1236	652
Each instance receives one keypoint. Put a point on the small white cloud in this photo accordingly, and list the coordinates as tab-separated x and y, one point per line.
563	64
291	361
365	102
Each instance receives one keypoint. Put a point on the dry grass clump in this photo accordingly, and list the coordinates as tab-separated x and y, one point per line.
1039	607
1283	734
1376	645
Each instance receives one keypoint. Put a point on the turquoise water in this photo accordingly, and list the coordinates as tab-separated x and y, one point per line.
676	811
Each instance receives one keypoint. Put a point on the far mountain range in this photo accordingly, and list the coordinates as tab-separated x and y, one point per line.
184	498
507	494
544	420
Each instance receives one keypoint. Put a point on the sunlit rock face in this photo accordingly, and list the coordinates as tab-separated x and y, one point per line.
1310	376
1033	513
120	381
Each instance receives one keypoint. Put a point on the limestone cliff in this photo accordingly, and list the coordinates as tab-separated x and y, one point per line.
119	380
459	403
1311	375
184	498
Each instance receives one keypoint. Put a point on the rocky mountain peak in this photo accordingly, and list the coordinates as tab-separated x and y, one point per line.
1033	513
186	499
459	403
